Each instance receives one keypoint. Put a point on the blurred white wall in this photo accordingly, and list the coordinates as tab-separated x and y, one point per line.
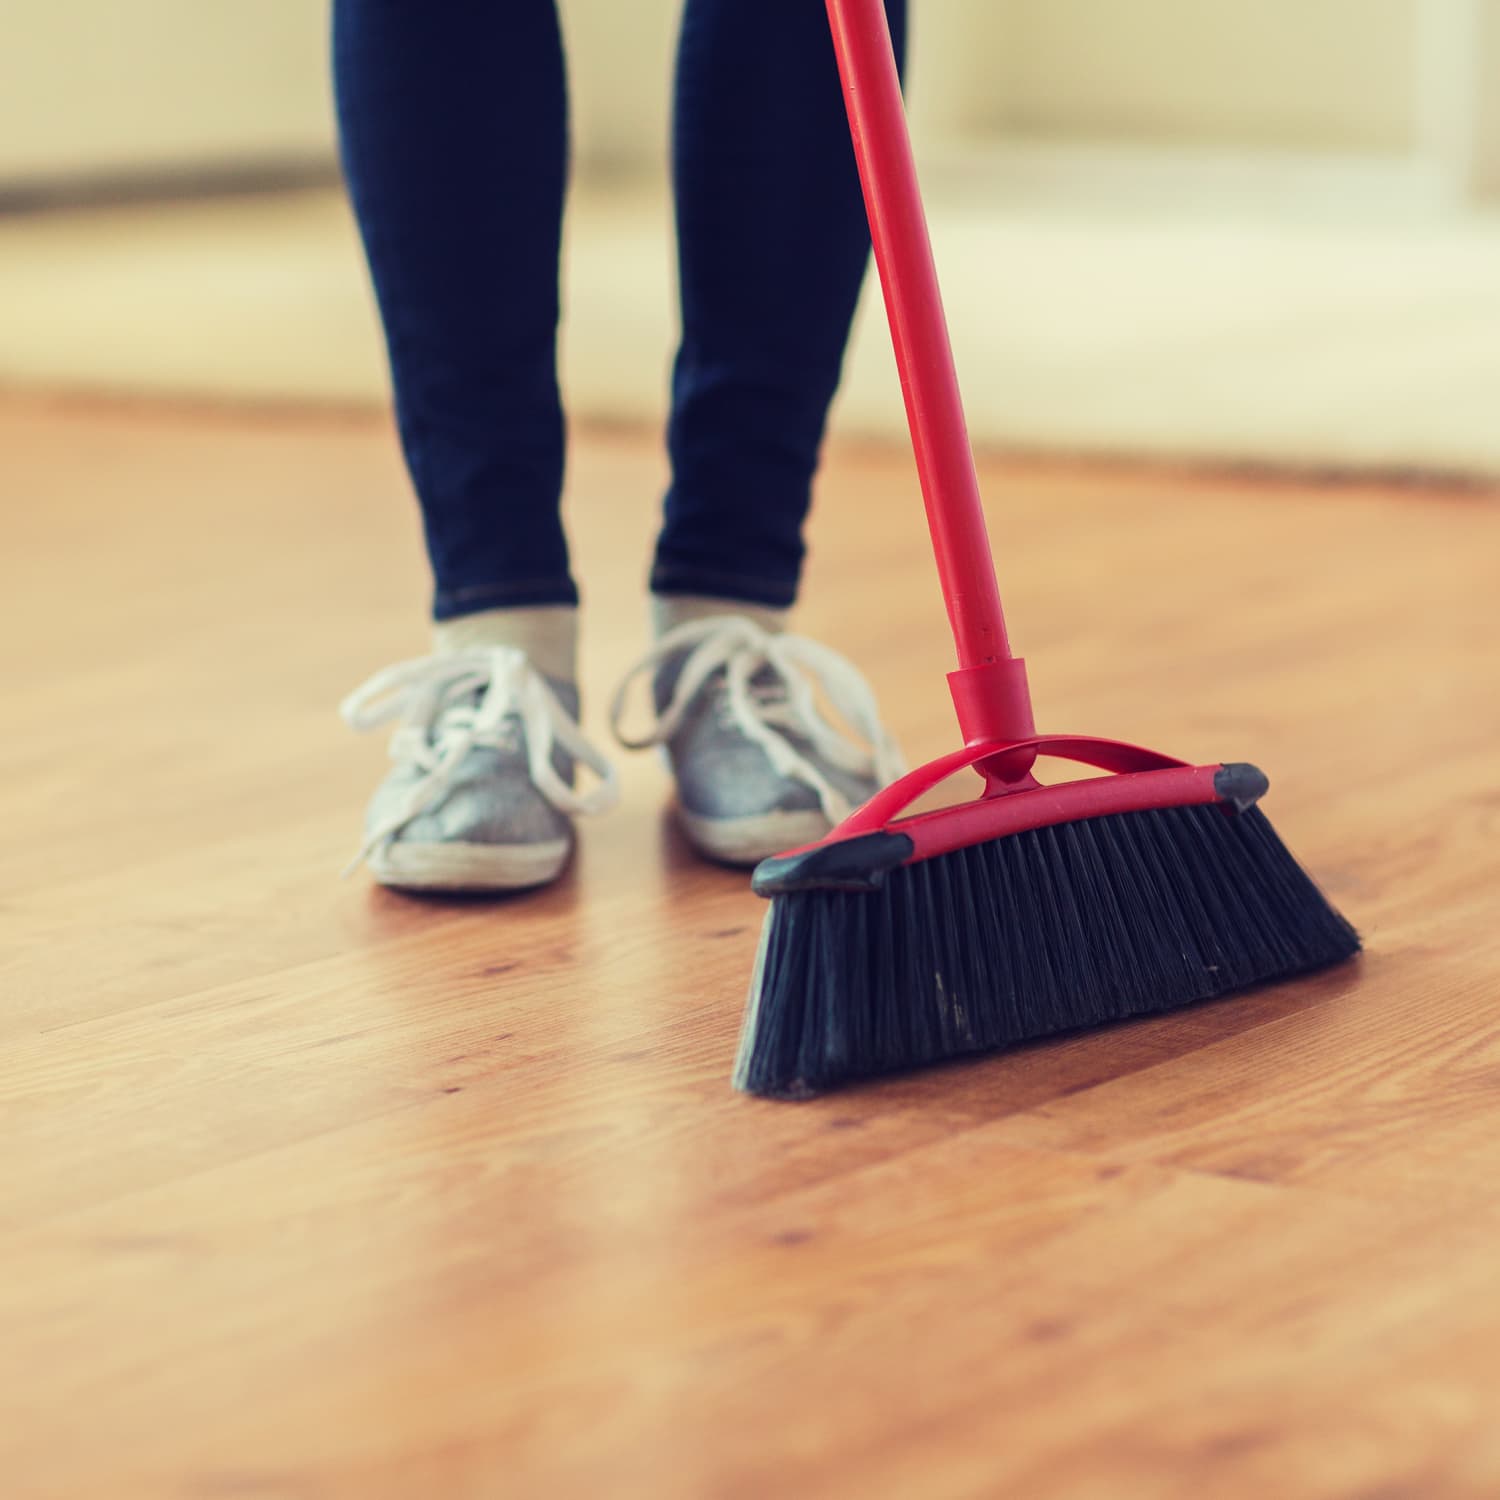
1300	74
1250	229
94	87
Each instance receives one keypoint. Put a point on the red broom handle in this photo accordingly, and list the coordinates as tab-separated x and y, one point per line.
992	703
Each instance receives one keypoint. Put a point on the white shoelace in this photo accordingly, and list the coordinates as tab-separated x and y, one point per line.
441	721
764	711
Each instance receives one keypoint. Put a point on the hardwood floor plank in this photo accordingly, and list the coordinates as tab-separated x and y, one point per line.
312	1190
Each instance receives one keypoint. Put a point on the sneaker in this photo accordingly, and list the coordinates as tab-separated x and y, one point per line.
481	797
759	768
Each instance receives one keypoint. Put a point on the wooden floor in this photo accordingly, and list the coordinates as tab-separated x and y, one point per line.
307	1189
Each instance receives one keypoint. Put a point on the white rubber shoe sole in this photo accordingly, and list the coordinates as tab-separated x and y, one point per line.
469	867
747	841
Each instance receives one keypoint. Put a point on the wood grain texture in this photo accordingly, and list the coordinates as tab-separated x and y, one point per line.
308	1189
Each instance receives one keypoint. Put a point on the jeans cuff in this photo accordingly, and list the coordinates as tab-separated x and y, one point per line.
771	593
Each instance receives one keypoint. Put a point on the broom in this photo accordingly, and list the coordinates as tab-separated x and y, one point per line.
897	942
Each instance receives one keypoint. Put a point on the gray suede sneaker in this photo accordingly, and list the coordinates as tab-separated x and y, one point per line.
759	768
481	797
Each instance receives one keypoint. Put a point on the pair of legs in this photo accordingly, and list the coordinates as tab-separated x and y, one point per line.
453	120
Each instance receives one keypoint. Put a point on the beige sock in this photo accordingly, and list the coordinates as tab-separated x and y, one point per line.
670	610
547	633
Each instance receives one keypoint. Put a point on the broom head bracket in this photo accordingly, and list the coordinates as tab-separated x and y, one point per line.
876	837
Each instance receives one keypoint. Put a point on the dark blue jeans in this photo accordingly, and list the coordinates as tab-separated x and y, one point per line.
453	120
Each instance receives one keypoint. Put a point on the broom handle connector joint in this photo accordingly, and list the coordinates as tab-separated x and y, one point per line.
993	702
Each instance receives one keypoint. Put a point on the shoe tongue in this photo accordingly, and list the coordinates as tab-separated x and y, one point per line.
566	693
467	698
509	730
665	680
766	684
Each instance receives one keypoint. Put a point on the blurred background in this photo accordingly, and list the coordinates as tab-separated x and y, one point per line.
1193	228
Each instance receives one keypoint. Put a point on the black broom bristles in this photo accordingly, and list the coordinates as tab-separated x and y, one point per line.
1038	932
